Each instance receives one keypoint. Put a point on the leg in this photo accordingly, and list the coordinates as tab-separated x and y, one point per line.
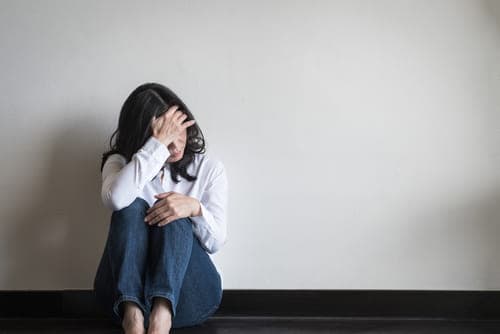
201	292
168	257
120	275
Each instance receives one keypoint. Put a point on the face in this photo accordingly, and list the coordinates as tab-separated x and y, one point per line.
177	147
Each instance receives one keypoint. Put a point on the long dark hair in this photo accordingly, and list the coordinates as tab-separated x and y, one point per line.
134	126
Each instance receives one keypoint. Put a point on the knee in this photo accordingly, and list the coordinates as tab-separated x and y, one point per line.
138	205
132	214
180	225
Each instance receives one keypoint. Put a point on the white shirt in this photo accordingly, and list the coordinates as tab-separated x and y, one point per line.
141	177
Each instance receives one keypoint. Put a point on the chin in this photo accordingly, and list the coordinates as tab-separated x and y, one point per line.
177	159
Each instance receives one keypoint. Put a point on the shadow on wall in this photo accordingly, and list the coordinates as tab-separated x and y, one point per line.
58	235
493	8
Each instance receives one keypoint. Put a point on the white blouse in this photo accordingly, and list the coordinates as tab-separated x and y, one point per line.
147	174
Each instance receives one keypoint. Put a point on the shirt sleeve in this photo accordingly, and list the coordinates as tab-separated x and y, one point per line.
122	182
211	226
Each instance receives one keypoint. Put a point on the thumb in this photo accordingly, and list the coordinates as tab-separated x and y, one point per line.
163	195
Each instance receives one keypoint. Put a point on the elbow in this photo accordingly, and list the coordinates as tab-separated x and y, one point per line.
217	245
114	202
116	206
213	249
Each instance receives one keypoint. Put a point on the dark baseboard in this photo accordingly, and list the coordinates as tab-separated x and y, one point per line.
442	304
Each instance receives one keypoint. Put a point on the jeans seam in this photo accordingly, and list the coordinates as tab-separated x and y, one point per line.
212	311
123	298
208	314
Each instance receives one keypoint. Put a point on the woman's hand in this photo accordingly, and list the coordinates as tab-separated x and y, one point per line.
169	125
171	206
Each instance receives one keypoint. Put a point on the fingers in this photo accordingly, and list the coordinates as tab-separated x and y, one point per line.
155	211
167	220
163	195
157	122
163	218
180	118
172	109
185	124
188	123
153	217
175	115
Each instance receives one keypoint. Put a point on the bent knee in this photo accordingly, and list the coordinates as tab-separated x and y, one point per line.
139	204
131	216
182	225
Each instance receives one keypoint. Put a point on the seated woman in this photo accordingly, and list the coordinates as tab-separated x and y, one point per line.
156	270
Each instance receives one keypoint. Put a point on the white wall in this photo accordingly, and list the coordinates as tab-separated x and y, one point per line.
361	138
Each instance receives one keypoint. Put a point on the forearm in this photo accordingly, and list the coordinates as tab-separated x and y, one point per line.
122	184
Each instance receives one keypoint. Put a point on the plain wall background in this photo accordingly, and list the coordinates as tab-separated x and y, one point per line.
361	138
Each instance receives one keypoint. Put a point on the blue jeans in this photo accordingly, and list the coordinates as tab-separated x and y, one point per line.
142	261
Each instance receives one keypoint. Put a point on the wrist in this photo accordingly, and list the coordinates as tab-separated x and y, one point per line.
196	208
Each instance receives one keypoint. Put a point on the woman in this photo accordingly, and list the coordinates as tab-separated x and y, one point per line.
156	271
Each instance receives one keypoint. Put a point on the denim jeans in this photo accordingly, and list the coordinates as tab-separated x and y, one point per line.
142	261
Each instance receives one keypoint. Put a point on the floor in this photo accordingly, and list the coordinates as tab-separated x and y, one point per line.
230	325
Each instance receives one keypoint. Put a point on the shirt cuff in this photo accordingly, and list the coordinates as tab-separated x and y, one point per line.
202	220
157	149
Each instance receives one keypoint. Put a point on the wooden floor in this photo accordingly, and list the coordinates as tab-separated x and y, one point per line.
275	325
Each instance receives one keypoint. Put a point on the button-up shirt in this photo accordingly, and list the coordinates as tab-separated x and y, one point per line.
147	174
